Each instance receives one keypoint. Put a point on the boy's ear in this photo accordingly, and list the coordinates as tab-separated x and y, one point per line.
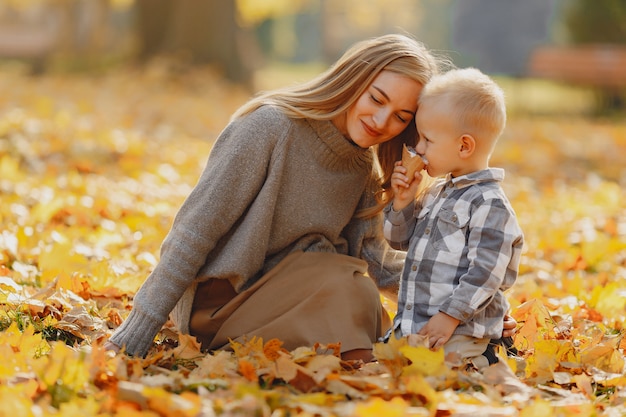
467	146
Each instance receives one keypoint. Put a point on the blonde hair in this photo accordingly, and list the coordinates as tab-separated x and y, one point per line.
334	91
476	102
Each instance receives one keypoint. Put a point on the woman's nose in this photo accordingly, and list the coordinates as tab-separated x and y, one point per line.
380	119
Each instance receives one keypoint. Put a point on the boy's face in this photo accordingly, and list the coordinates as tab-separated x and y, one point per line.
439	140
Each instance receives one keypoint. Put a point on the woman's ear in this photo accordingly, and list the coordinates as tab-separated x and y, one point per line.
467	146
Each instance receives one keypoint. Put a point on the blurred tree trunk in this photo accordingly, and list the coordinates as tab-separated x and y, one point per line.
199	31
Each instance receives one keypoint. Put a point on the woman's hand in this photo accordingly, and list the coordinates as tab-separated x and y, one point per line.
404	188
108	345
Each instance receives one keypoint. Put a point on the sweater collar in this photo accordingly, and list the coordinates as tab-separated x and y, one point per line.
336	151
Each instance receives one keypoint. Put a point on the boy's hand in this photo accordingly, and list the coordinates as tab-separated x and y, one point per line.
510	326
439	329
404	188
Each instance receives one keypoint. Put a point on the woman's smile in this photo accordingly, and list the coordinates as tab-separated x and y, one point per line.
370	130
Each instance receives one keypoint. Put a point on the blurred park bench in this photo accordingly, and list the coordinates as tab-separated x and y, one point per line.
602	67
35	32
29	43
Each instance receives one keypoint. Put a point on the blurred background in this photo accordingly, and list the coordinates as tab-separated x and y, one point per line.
554	56
109	108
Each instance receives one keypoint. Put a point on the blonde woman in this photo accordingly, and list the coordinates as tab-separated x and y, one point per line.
282	235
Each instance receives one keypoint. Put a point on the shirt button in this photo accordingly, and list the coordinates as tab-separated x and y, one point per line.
427	231
414	268
409	307
444	195
454	218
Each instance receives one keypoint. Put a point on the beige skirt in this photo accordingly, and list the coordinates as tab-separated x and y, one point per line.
308	298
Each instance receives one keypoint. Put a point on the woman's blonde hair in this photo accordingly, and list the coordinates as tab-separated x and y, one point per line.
333	92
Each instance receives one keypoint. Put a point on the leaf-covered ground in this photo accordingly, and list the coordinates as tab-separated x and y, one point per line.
92	170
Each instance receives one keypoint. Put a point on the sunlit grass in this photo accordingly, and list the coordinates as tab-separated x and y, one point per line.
543	97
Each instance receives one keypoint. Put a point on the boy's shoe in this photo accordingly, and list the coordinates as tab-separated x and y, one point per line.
506	342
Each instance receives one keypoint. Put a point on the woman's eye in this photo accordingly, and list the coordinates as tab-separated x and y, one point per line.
402	119
374	99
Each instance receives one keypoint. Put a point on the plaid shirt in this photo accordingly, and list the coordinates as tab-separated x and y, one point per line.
463	247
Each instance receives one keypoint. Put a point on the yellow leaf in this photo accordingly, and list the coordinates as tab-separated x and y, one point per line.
286	369
610	380
389	354
252	347
603	357
272	349
534	310
322	365
544	361
15	402
80	407
172	405
215	365
389	306
378	407
609	298
247	369
424	361
337	386
583	382
8	285
538	408
44	212
24	343
65	371
536	323
417	385
317	398
10	169
62	258
188	347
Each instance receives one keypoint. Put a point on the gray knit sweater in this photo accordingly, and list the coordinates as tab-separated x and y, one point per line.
272	185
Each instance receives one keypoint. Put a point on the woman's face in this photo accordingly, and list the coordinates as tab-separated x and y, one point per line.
382	111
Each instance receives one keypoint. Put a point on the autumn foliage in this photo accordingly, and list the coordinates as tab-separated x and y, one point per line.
92	171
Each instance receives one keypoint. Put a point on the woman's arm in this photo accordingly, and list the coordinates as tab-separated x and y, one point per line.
234	173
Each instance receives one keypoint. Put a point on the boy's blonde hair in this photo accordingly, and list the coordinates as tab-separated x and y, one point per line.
475	101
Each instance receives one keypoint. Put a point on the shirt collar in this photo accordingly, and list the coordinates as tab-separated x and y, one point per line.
476	177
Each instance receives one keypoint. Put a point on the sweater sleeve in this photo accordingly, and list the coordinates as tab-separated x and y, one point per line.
365	236
234	173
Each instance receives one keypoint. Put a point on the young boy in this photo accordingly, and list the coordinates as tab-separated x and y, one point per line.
461	235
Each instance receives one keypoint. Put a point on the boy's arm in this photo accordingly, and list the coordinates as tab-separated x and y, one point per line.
495	243
399	225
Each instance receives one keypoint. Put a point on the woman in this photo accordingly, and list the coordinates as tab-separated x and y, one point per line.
281	236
